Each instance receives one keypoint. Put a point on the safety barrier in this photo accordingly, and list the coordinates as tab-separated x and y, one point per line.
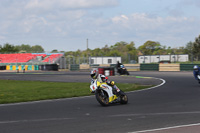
2	67
145	67
84	66
187	67
74	67
149	67
129	67
22	67
132	67
169	67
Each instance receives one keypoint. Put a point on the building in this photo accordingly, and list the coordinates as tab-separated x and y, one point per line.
104	60
158	58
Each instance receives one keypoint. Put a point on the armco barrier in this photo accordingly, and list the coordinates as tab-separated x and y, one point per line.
7	67
94	66
113	65
149	67
2	67
169	67
187	67
22	67
74	67
47	67
84	66
104	65
11	67
132	67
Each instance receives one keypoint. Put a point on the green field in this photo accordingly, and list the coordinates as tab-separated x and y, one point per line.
13	91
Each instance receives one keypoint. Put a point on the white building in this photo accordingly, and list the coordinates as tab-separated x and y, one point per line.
104	60
158	58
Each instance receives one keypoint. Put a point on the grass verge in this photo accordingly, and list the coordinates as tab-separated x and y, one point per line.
13	91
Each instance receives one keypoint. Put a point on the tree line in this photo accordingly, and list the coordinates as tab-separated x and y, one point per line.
127	51
24	48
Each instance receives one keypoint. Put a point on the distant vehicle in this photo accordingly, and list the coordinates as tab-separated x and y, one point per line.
121	69
133	62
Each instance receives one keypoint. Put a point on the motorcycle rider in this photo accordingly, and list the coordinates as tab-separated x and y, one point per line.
196	72
103	79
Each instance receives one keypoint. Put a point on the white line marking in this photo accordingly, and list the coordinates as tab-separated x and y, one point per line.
36	120
154	114
166	128
163	82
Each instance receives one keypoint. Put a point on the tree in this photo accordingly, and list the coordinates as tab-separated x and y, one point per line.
24	47
149	47
189	49
196	47
37	49
8	48
54	51
120	46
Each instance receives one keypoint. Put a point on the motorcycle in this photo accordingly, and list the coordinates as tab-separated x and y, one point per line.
122	70
198	76
105	96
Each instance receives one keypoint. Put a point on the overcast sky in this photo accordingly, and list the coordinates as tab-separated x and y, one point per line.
65	25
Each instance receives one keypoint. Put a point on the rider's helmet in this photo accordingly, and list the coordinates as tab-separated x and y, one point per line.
195	68
94	74
103	78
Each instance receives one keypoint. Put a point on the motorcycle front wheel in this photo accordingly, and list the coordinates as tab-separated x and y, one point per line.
102	97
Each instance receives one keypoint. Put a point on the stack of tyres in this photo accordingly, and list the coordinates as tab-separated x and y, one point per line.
101	70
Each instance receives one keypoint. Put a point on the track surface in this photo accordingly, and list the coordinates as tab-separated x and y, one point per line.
175	103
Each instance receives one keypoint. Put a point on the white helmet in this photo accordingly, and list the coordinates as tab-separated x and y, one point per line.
103	78
94	74
195	68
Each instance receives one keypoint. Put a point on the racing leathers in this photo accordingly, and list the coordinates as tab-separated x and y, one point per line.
115	89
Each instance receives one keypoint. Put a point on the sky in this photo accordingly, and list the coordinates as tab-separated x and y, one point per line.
66	25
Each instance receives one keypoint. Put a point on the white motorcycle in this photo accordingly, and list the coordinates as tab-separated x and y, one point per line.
105	96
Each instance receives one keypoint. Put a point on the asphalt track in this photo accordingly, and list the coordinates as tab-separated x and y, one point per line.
172	107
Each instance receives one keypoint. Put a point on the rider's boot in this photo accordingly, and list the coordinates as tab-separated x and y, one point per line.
116	90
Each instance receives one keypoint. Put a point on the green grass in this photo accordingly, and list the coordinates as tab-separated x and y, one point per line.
13	91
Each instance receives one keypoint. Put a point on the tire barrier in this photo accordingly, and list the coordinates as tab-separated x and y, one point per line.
107	71
101	70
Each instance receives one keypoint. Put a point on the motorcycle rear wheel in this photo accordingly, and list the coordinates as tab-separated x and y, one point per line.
102	97
123	98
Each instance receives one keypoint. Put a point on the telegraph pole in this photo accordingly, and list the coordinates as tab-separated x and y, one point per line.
87	50
87	44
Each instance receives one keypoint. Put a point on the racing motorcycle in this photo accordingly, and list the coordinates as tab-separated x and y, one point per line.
198	76
122	70
105	96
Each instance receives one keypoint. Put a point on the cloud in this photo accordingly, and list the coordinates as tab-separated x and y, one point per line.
62	20
169	30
